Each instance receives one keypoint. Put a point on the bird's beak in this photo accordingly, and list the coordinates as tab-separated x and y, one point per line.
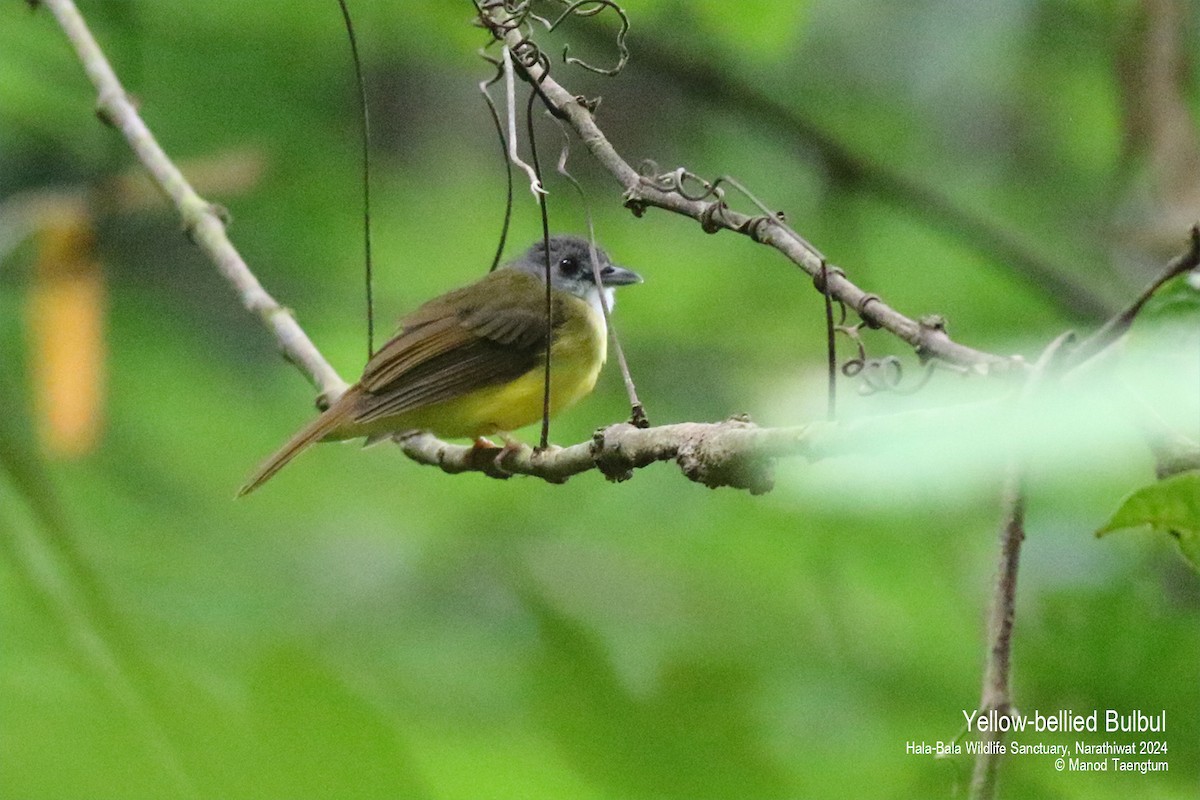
613	275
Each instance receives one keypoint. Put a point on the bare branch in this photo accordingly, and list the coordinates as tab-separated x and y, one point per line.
535	183
202	220
997	692
734	453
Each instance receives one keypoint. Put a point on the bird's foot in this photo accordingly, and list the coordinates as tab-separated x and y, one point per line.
512	447
490	457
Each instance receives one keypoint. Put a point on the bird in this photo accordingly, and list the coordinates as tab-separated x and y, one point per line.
471	362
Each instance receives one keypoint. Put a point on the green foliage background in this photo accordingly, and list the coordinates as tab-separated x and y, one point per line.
364	627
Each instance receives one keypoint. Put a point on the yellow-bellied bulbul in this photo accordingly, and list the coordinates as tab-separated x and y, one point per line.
471	362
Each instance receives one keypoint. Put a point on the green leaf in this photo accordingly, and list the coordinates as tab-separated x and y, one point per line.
1172	506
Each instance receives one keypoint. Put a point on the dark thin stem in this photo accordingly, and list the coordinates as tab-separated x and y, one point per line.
368	267
1112	330
541	197
997	692
831	345
508	198
637	411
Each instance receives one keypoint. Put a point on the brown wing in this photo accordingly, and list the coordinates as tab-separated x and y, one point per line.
485	334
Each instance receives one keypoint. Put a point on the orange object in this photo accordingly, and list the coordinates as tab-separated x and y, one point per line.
66	318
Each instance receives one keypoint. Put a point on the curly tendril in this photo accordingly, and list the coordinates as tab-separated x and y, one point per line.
518	16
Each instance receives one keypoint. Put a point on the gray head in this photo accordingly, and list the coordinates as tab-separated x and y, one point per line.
571	268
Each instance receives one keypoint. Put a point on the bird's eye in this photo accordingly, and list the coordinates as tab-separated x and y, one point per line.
569	266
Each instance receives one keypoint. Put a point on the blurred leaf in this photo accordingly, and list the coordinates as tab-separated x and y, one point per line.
1171	506
761	29
322	738
689	739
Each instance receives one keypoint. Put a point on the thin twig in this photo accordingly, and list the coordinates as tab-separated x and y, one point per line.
365	121
1120	323
637	411
508	198
997	691
201	219
544	215
510	95
830	348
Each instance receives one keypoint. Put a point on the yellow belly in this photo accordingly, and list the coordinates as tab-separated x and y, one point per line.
577	353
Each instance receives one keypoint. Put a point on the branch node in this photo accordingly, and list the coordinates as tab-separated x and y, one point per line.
496	462
323	401
538	459
933	322
717	461
861	308
757	228
634	202
132	99
819	277
222	213
713	218
930	325
610	459
102	112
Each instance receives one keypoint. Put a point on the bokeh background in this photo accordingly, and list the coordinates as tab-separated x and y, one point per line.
365	627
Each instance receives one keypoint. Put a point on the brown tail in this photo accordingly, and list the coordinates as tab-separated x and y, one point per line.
314	431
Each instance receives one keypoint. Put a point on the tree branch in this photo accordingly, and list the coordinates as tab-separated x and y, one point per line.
202	221
996	694
735	453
